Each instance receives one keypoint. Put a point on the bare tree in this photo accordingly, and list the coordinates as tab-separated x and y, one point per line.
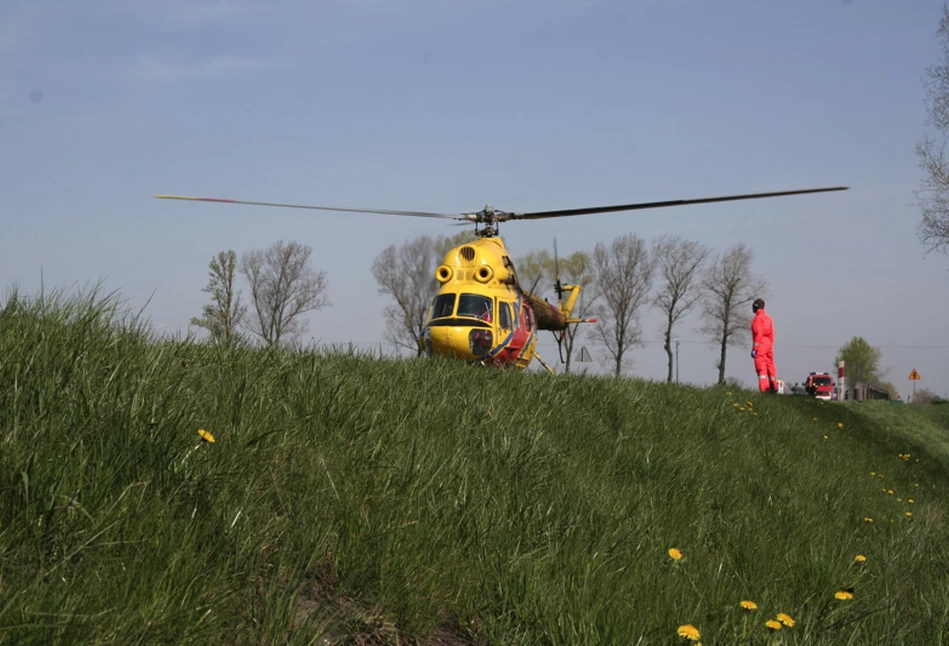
933	195
283	287
222	316
679	263
729	286
624	273
407	274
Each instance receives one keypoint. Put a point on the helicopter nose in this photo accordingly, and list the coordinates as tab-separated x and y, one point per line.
463	342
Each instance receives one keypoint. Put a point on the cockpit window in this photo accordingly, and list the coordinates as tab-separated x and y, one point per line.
475	305
443	305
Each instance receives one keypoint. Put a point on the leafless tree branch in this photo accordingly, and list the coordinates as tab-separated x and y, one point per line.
679	263
728	287
933	194
624	273
283	287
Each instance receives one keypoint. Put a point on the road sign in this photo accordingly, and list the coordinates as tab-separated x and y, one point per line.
914	375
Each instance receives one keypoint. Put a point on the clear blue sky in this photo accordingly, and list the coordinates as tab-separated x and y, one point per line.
438	106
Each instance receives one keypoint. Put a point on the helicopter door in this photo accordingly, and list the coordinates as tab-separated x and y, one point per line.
517	334
506	333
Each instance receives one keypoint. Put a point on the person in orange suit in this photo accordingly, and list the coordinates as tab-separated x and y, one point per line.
762	333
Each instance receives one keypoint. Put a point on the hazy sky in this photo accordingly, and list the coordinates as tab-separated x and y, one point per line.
446	106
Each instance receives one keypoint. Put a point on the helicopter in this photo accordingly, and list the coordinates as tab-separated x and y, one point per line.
481	313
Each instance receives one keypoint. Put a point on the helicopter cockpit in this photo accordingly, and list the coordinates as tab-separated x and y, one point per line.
470	306
452	312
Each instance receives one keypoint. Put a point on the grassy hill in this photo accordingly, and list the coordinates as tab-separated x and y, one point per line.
353	500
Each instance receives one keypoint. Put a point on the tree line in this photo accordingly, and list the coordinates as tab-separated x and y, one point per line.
621	281
618	280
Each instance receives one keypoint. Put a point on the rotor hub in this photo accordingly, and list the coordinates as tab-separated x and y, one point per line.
488	219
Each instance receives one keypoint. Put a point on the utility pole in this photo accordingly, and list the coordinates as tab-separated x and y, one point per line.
677	362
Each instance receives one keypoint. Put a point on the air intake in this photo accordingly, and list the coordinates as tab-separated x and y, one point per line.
468	253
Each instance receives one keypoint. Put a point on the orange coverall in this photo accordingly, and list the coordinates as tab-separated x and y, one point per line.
762	333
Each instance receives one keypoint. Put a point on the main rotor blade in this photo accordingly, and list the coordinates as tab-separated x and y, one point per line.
420	214
656	205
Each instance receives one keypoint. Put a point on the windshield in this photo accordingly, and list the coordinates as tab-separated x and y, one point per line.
475	305
443	305
822	381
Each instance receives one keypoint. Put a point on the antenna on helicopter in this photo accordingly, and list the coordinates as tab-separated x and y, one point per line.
558	286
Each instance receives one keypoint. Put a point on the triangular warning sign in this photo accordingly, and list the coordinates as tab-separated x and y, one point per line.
914	374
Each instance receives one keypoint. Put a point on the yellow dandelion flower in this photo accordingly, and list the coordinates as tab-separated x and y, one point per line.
909	513
741	408
814	418
840	424
860	558
890	491
911	501
899	500
843	595
207	437
873	473
868	519
825	437
675	554
736	404
785	619
749	404
916	484
773	625
689	631
729	394
748	605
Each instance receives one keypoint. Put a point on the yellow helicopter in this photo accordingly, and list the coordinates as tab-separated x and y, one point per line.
481	313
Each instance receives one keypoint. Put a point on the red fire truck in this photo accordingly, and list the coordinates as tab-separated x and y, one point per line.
820	385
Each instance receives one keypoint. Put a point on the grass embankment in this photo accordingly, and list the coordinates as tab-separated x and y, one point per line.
352	500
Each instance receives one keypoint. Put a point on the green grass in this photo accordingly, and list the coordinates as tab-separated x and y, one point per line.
351	499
